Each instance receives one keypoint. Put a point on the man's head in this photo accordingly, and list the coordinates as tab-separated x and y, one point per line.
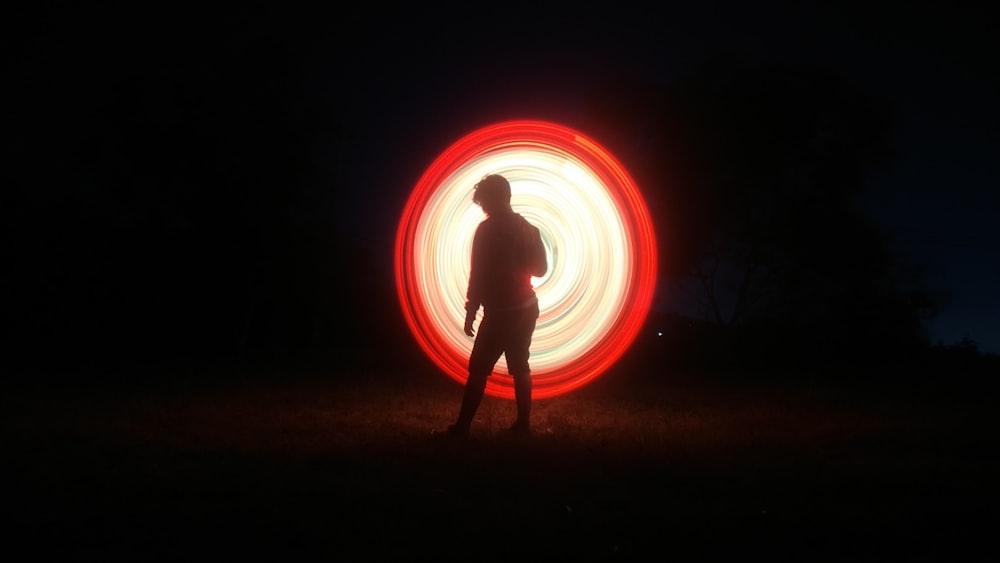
492	193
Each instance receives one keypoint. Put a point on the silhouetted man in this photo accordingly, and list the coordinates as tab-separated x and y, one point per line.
506	252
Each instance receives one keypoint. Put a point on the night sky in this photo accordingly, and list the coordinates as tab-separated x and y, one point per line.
158	159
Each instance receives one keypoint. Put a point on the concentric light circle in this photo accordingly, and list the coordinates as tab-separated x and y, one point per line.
598	237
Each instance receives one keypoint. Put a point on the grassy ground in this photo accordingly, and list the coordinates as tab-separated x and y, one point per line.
628	468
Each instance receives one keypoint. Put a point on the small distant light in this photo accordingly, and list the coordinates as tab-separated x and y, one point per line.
659	333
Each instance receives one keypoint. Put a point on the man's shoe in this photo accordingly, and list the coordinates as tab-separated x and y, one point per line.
451	432
520	429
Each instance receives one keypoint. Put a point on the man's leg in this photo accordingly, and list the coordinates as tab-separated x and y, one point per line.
517	352
522	395
485	352
475	386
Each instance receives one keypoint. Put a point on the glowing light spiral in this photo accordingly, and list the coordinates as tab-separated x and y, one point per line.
598	237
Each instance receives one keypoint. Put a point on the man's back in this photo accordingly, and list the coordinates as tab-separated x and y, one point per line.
506	252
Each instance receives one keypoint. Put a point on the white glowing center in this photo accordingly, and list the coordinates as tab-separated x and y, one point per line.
590	263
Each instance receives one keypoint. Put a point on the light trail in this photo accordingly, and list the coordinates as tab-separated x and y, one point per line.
598	237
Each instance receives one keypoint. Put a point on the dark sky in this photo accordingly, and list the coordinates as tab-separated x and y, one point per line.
936	199
359	101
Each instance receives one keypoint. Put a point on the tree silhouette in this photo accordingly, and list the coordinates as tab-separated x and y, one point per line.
753	173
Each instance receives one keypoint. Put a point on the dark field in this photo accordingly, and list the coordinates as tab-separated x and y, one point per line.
197	467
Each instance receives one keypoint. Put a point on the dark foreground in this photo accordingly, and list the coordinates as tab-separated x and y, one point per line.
333	468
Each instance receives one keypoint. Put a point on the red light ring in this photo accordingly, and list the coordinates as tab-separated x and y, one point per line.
539	158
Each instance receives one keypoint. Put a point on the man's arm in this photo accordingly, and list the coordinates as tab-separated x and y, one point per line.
474	293
470	318
537	263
